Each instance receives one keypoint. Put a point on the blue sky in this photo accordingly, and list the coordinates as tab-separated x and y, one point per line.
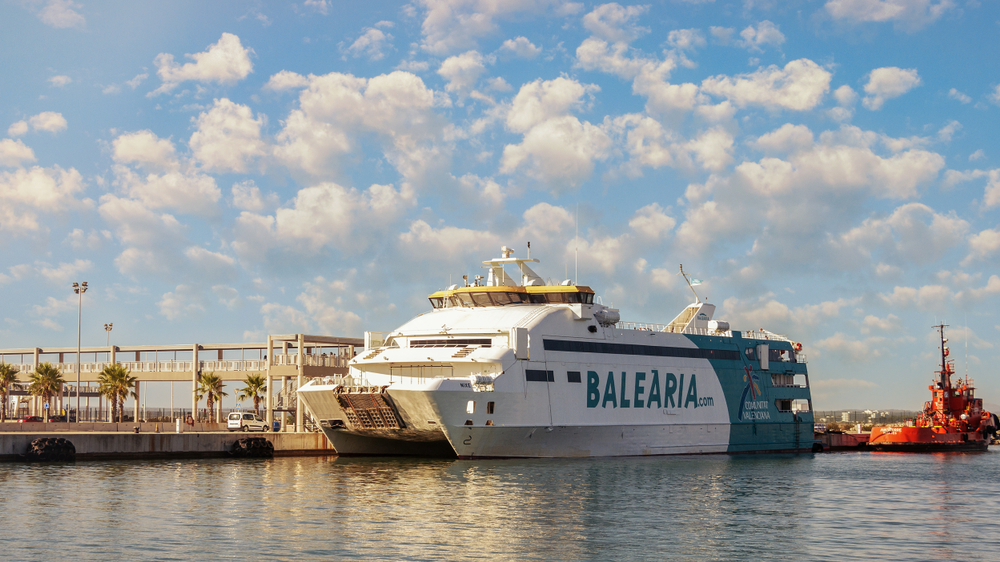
220	172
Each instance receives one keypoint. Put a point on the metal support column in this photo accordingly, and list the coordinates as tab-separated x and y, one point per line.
300	359
194	382
267	374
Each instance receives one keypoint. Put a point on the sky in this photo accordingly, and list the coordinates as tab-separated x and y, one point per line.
222	171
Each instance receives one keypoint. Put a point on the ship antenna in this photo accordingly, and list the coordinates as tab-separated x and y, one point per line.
576	257
697	299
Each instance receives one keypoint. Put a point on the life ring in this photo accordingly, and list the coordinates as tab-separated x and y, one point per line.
798	347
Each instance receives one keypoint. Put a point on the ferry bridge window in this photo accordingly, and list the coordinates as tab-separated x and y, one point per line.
489	407
481	299
437	302
751	353
573	376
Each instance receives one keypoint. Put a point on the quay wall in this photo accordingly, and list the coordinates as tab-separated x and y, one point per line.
94	445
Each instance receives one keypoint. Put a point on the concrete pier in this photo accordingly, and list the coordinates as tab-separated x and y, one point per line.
97	445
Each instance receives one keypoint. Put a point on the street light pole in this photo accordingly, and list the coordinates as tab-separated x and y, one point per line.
107	328
79	289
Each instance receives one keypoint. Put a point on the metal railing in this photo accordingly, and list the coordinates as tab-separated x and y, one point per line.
311	360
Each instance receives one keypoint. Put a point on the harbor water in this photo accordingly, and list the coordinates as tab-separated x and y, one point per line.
841	506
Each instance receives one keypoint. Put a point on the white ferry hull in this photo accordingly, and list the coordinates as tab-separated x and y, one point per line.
602	441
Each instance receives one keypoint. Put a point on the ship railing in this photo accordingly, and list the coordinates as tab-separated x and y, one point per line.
324	360
649	327
763	334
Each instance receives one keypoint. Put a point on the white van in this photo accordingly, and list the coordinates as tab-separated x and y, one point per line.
246	421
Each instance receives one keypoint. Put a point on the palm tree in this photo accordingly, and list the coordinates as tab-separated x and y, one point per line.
255	387
116	383
46	382
8	376
210	386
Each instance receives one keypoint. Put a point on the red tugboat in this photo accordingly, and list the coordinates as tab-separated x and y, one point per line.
954	419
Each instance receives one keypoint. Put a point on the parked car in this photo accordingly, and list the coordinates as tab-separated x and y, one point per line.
30	419
245	421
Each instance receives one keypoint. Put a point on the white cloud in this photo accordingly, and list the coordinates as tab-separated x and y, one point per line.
521	47
62	14
462	72
722	35
48	121
928	297
909	15
247	197
93	240
991	195
956	95
225	62
14	152
784	204
372	44
686	39
458	25
323	215
799	86
713	148
787	139
60	81
336	108
286	80
887	83
946	133
151	241
977	155
615	23
423	242
912	234
17	128
540	101
652	222
766	33
320	6
186	192
145	149
210	266
845	96
557	148
228	137
994	96
185	301
25	194
136	80
983	246
325	302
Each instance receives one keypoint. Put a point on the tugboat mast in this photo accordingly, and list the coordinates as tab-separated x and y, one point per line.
945	382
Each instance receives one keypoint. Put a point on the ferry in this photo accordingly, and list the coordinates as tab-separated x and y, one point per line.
510	366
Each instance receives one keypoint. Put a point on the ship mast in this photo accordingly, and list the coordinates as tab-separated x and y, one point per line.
945	382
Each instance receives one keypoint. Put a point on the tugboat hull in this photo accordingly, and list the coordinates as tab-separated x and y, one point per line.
924	440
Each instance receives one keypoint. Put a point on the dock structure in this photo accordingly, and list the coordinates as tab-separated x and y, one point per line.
295	358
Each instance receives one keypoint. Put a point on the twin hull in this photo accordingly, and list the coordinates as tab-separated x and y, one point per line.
641	393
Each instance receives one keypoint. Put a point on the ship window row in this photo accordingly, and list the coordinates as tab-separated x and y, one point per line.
572	346
502	298
452	342
537	375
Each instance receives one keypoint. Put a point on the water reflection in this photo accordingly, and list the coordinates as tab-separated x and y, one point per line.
852	506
